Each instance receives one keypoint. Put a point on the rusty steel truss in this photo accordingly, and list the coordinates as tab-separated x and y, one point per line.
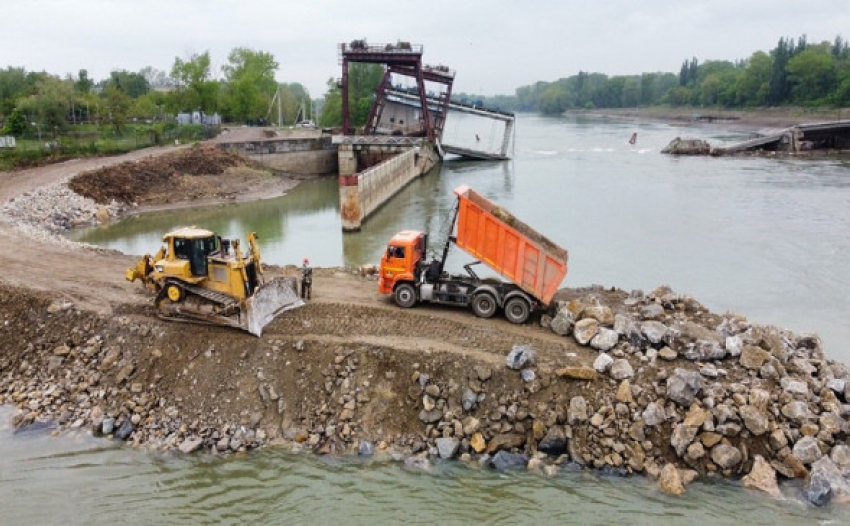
402	59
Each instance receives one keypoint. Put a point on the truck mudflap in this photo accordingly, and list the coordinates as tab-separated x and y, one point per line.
276	296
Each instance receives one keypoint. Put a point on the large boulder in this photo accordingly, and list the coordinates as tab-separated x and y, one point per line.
726	456
505	442
562	323
601	313
696	342
504	460
554	443
654	331
683	386
654	414
605	339
755	420
577	411
670	481
621	369
521	356
796	411
762	477
753	357
682	437
447	447
585	330
825	481
807	450
603	362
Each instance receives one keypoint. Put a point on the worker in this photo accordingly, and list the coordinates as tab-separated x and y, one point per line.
633	140
477	138
306	280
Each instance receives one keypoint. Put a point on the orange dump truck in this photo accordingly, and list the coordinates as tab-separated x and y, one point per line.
534	266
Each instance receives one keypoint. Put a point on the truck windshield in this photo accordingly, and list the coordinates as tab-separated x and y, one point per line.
394	252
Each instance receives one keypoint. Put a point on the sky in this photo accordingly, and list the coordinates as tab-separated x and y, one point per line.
495	46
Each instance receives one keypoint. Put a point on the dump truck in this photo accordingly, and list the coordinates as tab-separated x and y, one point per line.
199	277
533	265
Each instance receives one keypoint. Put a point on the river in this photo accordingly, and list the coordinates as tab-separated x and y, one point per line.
762	237
77	479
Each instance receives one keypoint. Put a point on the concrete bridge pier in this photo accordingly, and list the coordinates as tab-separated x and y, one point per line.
386	169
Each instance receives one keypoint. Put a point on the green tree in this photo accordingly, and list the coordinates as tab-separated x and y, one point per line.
753	85
195	87
250	82
811	74
331	115
51	103
778	88
555	99
13	85
132	84
83	84
15	125
362	81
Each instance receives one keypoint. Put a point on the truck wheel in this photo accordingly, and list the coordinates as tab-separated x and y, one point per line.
405	295
517	310
484	305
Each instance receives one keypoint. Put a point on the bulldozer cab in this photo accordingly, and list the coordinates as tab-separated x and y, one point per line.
196	250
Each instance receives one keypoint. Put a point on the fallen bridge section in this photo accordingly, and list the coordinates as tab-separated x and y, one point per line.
800	138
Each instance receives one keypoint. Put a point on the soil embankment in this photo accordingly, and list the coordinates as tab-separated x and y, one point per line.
626	382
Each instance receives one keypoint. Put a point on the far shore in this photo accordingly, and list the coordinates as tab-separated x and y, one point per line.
745	120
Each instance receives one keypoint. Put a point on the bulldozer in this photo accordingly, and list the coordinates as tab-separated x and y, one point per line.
199	277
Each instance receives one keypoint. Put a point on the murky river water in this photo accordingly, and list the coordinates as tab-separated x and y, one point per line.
83	480
766	238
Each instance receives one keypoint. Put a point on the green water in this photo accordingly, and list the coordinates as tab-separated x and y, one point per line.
77	479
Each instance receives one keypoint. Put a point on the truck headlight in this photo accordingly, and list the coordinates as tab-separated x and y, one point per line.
158	268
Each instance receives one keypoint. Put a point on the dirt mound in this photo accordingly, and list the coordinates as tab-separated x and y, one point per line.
136	181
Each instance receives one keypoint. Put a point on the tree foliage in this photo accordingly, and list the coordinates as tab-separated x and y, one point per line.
794	72
196	89
249	83
362	81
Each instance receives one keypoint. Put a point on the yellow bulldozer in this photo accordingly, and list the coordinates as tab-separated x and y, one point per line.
199	277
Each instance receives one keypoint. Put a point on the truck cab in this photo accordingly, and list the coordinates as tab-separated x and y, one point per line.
402	261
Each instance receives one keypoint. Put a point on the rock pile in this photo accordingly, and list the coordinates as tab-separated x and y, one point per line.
56	208
734	398
662	387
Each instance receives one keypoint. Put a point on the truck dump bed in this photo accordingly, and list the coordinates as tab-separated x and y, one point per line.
507	245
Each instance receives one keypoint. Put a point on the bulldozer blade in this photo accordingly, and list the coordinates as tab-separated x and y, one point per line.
276	296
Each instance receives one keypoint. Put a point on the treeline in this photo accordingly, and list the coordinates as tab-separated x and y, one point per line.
240	92
794	72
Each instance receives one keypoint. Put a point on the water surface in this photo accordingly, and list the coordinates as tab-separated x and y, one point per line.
84	480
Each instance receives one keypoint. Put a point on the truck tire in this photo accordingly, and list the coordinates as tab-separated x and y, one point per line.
517	310
484	305
405	295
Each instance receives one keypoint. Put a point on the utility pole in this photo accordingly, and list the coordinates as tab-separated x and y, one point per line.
279	108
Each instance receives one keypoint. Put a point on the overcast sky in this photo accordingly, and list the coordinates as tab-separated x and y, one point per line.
495	46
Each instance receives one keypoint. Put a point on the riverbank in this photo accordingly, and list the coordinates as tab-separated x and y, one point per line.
735	120
622	382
